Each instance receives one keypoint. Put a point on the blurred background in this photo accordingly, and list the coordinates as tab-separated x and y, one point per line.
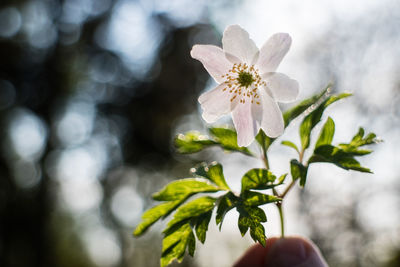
92	93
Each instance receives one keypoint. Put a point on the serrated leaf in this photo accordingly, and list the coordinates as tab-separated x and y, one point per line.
358	140
294	112
226	203
182	189
227	139
312	119
327	132
257	232
202	226
191	209
191	244
337	156
251	198
175	243
154	214
251	217
298	171
258	179
213	172
192	142
290	144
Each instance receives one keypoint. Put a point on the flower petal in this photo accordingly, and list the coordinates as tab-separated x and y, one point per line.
236	42
283	88
245	125
215	103
273	51
213	60
272	119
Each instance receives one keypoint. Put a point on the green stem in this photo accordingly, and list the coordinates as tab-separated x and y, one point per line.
264	151
279	206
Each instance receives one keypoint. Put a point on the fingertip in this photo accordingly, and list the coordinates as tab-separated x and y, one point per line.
294	251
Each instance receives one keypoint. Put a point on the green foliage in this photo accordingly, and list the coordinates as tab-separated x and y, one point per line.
192	142
290	144
202	226
337	156
154	214
252	217
258	179
358	141
251	198
227	139
191	210
298	171
226	203
343	155
312	119
264	140
175	243
184	188
179	234
192	217
212	172
327	132
297	110
292	114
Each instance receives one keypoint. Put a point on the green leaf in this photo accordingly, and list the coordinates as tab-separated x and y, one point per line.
298	171
282	178
191	209
182	189
192	142
257	232
258	179
327	132
337	156
175	243
358	141
263	139
226	203
251	198
227	139
290	144
154	214
294	112
191	244
202	226
291	114
213	172
251	217
312	119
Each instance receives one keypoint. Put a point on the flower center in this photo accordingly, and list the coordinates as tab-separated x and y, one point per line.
245	79
242	82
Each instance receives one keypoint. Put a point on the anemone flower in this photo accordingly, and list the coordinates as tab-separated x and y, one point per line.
248	85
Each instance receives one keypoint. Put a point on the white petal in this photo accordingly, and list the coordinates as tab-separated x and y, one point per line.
236	42
215	103
245	125
273	51
272	120
213	59
283	88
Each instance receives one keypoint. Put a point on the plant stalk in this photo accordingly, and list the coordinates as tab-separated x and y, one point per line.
280	209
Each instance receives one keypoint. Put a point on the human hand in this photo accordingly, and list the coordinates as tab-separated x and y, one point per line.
283	252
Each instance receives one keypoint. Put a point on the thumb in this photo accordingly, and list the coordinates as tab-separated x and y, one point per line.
294	252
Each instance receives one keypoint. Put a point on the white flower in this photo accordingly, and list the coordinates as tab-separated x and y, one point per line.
248	86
